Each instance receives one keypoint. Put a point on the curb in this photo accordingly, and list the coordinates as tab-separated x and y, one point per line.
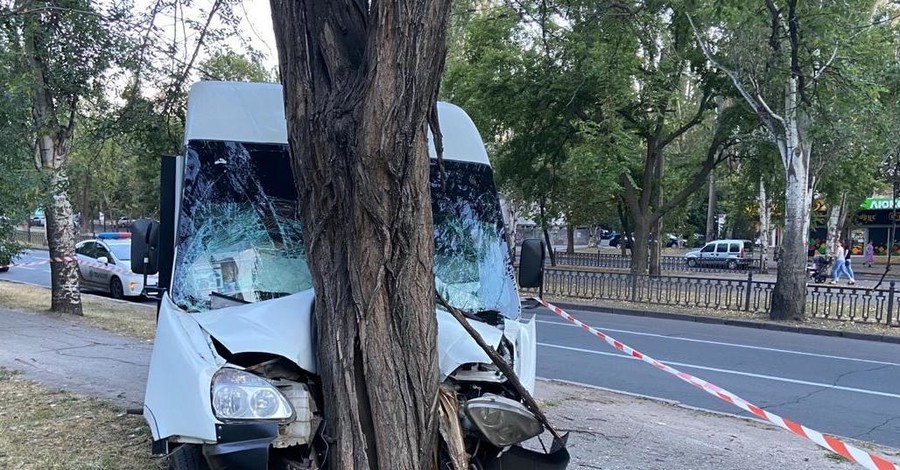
732	322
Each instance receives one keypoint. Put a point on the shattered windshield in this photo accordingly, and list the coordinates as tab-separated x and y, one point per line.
472	269
239	237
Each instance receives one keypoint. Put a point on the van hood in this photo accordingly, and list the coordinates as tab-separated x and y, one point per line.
282	326
285	327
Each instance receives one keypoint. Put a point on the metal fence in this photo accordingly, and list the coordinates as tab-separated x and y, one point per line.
833	302
667	263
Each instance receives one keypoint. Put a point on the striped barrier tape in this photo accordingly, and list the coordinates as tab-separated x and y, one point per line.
854	454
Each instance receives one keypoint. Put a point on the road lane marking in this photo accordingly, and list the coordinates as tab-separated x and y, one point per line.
733	372
733	345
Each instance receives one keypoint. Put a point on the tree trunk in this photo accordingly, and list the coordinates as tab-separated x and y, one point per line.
639	247
834	225
711	216
764	218
550	251
789	294
656	235
64	294
570	239
53	141
360	80
544	228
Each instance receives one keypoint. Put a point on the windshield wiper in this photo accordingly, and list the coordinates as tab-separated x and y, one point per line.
491	317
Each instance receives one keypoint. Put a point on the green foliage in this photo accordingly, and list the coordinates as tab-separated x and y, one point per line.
234	67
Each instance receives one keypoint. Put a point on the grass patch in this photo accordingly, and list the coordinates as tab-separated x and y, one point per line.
135	320
45	429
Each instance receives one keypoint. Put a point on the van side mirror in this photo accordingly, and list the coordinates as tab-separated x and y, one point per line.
531	264
145	246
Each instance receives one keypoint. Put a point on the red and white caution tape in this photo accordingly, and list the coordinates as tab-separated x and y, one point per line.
855	454
63	259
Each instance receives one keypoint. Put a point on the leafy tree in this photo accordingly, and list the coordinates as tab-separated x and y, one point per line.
61	49
18	179
231	66
790	60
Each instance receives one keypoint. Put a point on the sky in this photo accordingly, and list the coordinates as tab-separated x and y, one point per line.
257	26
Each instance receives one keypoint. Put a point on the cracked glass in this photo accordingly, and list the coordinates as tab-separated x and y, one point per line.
239	237
472	268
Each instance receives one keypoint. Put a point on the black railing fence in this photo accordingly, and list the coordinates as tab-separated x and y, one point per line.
667	263
746	294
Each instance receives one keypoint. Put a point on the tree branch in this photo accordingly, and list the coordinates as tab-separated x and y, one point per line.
714	156
187	69
818	73
759	107
696	119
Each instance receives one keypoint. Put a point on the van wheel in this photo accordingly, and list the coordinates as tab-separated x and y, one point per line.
115	288
692	262
187	457
732	264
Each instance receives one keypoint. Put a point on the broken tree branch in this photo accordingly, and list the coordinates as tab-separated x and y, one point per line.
500	363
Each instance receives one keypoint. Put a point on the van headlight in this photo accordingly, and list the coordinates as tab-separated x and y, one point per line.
239	395
503	422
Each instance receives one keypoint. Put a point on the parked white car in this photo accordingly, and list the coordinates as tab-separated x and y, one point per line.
104	264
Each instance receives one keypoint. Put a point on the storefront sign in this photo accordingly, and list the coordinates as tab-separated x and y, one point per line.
879	203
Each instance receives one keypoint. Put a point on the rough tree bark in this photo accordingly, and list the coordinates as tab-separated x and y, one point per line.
360	79
570	239
52	147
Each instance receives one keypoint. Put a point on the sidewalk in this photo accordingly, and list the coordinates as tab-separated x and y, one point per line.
608	430
76	358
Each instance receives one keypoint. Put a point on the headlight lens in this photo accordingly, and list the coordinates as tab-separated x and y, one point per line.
241	395
503	422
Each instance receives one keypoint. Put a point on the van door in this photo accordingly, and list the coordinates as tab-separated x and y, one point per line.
708	253
721	255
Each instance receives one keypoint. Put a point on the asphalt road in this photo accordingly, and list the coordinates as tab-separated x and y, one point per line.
40	274
835	385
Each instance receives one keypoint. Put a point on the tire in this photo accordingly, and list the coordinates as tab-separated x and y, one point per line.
692	262
732	264
187	457
115	288
4	269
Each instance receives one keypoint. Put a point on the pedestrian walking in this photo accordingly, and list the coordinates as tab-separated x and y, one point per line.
869	255
840	265
848	267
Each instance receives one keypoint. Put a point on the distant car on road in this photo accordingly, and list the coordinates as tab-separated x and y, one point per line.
4	263
123	222
105	265
673	241
733	254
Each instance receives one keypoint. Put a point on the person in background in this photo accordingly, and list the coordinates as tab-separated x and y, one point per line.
848	269
869	254
840	263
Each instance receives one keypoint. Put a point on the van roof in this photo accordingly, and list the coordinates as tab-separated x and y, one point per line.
254	112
